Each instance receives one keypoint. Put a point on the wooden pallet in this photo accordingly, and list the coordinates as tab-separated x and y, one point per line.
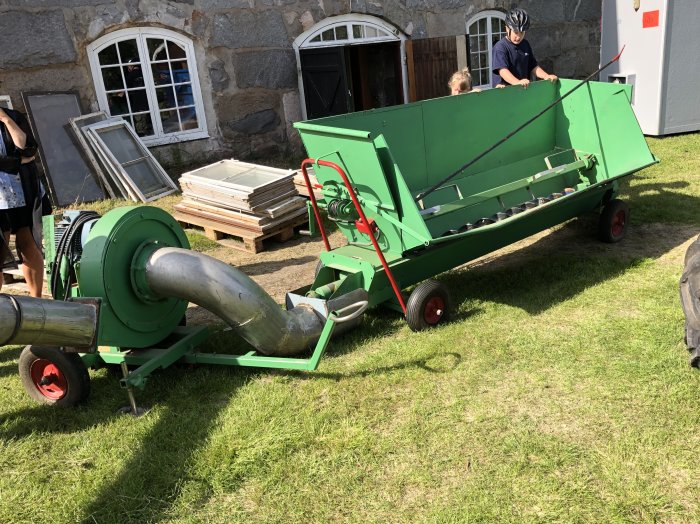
252	242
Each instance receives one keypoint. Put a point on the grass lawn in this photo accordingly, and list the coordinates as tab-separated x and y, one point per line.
560	392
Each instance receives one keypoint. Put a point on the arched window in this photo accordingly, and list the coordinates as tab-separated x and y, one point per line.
148	76
484	30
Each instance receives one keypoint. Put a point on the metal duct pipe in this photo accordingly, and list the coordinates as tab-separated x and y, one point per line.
233	296
45	322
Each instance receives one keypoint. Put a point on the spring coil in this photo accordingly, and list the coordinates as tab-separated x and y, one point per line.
340	210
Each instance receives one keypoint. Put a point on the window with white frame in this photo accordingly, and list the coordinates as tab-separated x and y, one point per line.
484	30
148	76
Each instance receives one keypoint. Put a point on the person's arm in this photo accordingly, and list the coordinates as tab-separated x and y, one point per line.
19	137
544	75
509	77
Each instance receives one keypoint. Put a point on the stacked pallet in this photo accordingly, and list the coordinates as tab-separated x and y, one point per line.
300	183
248	201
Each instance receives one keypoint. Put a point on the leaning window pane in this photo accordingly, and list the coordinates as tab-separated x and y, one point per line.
144	177
121	144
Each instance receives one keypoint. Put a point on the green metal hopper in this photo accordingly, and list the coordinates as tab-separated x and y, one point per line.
567	162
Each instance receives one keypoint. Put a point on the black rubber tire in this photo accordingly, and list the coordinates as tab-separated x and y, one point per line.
75	377
612	226
690	301
428	305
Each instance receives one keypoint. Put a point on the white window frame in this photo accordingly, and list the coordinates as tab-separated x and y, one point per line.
488	15
383	32
140	34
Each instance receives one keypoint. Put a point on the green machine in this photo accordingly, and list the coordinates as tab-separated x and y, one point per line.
384	179
380	173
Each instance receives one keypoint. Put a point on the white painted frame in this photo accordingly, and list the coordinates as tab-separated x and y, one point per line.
93	130
488	14
5	101
385	33
140	34
88	150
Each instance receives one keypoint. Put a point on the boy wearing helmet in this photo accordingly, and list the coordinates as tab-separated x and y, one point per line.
513	59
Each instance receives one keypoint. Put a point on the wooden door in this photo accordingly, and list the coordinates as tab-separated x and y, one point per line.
325	81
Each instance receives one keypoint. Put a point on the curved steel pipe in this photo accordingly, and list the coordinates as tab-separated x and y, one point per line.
236	298
45	322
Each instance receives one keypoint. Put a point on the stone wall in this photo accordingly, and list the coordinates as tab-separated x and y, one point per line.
247	67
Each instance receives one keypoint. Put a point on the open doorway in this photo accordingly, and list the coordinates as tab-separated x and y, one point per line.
350	63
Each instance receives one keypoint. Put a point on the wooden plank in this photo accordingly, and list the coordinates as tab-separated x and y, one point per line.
251	242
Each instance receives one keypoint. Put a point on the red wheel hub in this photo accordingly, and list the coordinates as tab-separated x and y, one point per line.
618	223
48	379
434	309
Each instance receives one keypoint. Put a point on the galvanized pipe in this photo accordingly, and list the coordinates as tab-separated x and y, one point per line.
236	298
44	322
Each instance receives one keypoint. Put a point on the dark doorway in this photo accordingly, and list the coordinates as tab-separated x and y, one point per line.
351	78
375	70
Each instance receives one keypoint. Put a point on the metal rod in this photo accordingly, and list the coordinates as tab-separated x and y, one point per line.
129	389
515	131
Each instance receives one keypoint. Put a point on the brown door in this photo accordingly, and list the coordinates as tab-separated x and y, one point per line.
431	63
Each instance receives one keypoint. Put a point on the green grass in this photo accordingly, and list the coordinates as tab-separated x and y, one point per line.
560	392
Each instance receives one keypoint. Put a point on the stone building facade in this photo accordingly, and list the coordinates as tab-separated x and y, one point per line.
245	54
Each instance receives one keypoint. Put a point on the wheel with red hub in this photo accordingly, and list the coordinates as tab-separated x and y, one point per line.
428	305
614	220
51	376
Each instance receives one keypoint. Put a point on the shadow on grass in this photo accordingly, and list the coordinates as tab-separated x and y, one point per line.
262	268
563	263
189	402
10	353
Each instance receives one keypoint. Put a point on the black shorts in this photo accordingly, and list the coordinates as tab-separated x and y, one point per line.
14	219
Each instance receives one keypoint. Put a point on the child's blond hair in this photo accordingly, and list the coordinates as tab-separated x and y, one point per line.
462	80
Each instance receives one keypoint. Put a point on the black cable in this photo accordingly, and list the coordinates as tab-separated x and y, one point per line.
70	249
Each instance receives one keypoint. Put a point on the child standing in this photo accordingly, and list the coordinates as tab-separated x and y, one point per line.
513	59
461	82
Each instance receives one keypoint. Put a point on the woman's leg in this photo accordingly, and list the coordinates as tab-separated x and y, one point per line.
32	261
3	247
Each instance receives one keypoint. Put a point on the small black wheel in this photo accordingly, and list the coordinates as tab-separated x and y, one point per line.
428	305
51	376
614	220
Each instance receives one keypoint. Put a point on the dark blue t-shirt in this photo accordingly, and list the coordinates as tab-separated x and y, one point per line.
518	59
